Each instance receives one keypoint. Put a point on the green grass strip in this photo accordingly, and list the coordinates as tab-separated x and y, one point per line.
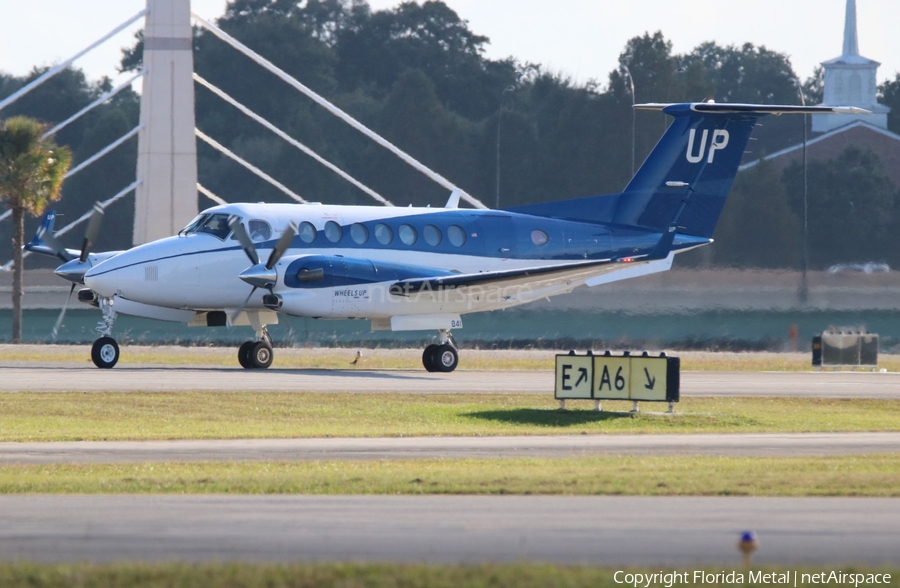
242	415
875	475
517	575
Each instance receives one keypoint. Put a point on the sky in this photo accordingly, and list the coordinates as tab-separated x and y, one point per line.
581	39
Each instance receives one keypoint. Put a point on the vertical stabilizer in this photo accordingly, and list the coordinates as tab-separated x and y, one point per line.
694	165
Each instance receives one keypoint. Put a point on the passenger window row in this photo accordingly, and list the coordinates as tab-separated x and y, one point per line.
384	234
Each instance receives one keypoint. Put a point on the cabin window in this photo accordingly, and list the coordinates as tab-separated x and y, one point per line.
384	234
307	232
310	275
539	237
333	231
432	235
359	233
457	235
408	235
259	230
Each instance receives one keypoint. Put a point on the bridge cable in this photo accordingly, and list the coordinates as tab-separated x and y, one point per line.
93	104
61	66
221	94
219	147
262	61
81	219
91	159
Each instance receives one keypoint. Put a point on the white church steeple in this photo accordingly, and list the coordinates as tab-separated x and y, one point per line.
851	36
851	80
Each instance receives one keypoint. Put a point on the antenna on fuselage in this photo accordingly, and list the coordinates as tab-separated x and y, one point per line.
453	201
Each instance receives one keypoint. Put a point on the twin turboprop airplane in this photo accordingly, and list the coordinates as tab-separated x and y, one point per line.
417	268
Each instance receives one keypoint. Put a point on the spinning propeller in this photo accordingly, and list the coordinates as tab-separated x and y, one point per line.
74	269
259	275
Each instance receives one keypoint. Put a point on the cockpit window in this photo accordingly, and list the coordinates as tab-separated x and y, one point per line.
214	224
192	226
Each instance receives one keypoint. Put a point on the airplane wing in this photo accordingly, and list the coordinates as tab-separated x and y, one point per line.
534	278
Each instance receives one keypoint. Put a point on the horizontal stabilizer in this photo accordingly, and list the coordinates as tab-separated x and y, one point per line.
726	108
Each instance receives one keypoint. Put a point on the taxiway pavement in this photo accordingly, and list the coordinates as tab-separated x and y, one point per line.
610	530
556	446
591	530
31	377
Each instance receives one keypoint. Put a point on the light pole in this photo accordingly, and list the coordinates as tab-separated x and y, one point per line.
803	292
505	91
633	114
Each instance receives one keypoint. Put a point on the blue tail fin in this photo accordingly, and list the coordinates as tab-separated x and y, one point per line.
683	184
694	164
44	241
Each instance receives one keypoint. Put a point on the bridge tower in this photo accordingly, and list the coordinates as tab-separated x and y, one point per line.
166	198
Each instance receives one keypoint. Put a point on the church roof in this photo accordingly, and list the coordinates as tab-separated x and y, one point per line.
831	144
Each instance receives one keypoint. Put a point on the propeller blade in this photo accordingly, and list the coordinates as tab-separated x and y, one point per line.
55	333
237	313
282	245
93	229
234	223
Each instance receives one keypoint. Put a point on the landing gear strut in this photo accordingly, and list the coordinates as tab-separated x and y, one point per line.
443	357
105	351
256	354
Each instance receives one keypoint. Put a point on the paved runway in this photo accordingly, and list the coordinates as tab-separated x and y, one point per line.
18	376
775	445
586	530
614	531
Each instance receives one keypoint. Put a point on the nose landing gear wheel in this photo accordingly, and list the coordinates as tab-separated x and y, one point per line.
440	358
105	352
259	355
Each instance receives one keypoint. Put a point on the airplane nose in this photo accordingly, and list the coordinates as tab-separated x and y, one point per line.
101	282
73	271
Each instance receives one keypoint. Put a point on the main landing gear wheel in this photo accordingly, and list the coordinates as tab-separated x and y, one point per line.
428	357
255	355
244	354
440	358
105	352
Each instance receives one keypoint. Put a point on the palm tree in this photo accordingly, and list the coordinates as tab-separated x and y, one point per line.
32	169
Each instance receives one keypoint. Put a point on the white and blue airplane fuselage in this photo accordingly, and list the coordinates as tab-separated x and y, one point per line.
420	268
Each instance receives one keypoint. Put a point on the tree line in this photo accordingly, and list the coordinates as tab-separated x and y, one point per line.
418	75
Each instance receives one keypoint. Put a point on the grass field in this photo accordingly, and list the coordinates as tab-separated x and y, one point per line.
73	416
516	575
874	475
470	359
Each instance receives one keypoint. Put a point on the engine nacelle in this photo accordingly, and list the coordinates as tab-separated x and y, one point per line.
334	271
